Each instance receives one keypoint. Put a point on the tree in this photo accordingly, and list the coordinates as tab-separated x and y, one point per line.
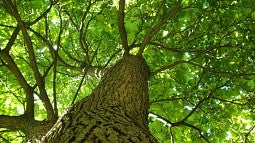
132	71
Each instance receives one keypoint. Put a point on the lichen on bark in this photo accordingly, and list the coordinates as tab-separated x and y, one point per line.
116	111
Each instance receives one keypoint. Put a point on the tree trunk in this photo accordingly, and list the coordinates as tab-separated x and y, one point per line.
116	111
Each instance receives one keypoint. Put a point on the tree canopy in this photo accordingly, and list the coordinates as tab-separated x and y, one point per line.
201	55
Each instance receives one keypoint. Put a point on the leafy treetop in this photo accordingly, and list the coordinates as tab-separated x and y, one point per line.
200	53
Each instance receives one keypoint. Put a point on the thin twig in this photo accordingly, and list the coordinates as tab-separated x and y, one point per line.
226	73
155	28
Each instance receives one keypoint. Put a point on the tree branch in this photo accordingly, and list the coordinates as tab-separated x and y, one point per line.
194	109
32	59
121	24
79	87
167	100
12	39
170	66
160	119
155	28
42	15
228	73
246	139
82	41
4	140
177	50
12	66
24	124
210	95
53	52
176	124
196	128
54	85
13	123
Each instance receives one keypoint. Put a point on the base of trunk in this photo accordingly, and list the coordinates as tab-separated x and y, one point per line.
100	126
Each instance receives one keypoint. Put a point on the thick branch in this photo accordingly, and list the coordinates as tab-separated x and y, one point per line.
13	123
12	66
32	128
122	30
54	84
32	59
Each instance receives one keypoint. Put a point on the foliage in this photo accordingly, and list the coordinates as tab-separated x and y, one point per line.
201	60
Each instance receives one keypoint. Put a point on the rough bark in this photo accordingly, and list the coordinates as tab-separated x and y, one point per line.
116	111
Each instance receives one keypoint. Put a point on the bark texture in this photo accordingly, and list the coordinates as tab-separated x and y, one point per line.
116	111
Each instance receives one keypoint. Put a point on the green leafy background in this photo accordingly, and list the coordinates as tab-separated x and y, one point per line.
203	59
